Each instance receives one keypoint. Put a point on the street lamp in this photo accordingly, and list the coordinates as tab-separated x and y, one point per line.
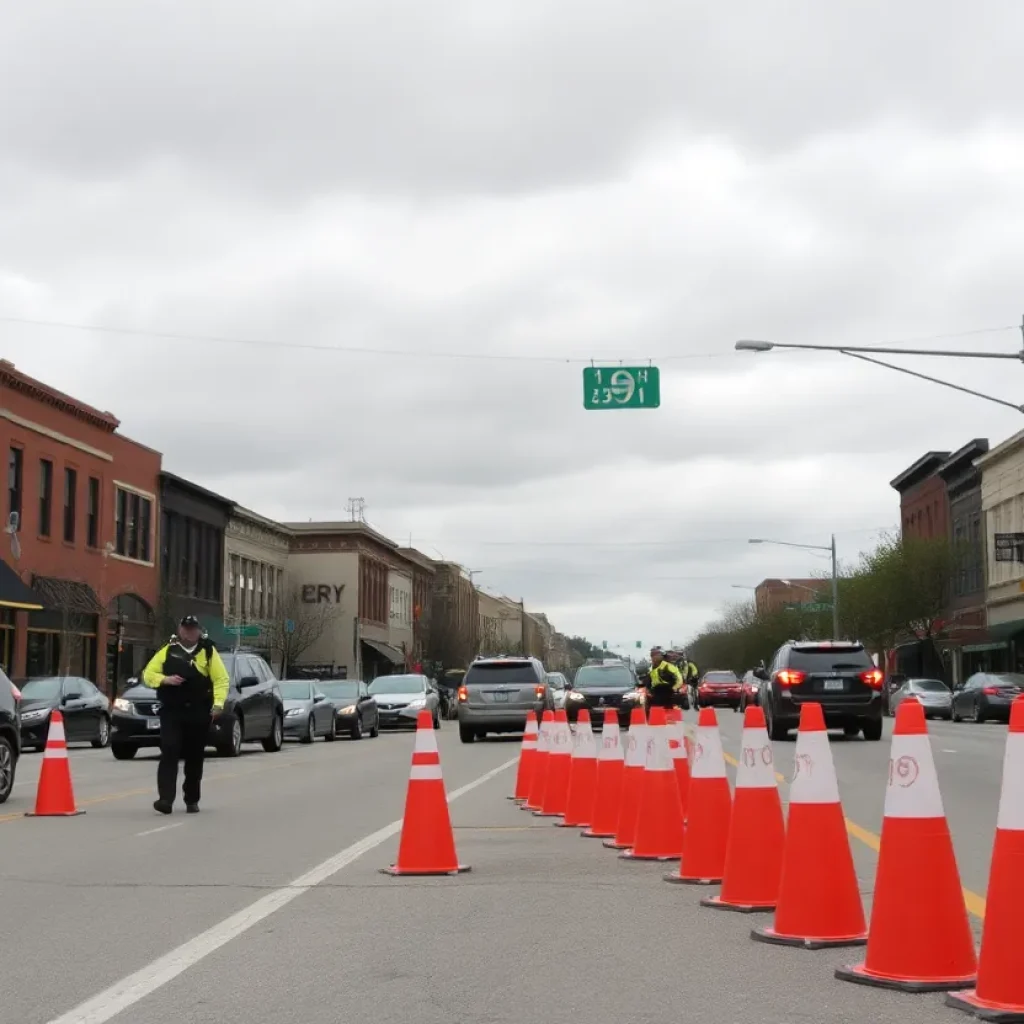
831	549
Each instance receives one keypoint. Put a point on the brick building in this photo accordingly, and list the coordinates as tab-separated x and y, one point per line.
423	572
924	502
772	596
85	502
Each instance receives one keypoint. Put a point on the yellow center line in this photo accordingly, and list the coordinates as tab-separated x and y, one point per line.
975	903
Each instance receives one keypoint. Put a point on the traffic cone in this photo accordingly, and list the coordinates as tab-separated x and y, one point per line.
999	995
919	937
707	833
659	823
556	786
819	905
677	744
579	804
540	763
55	797
608	791
632	782
427	844
753	858
527	757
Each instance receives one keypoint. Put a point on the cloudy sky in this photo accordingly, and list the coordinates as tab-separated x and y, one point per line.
367	248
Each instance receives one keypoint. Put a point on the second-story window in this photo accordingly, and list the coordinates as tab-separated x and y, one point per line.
14	482
45	497
70	504
92	523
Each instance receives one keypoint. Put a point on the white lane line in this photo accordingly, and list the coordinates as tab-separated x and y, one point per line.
162	828
945	750
129	991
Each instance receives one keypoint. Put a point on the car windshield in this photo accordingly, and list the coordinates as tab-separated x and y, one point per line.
720	677
930	686
397	684
494	673
345	690
829	659
295	690
47	688
604	675
1003	679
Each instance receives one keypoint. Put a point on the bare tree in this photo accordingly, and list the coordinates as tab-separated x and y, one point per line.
297	626
77	610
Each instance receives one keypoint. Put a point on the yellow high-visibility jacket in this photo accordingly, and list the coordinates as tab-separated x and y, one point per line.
666	674
211	666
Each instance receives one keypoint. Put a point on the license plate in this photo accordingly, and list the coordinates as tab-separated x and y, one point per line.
153	723
834	684
501	698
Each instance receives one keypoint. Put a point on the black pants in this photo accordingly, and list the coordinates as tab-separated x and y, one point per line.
662	696
183	736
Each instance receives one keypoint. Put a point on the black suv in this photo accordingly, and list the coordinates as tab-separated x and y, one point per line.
837	674
10	736
600	687
253	712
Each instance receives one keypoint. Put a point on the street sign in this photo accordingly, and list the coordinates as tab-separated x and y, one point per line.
289	625
621	387
639	644
1010	547
810	607
249	631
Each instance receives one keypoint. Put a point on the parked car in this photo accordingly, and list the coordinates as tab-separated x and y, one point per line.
559	687
307	711
498	693
987	695
750	690
719	688
401	698
356	712
602	686
86	711
253	712
935	696
837	674
10	736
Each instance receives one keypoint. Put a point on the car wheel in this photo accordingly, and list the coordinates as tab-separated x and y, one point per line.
233	747
979	716
775	732
954	717
375	731
357	728
275	741
310	730
123	751
851	730
332	733
466	734
8	766
872	729
102	734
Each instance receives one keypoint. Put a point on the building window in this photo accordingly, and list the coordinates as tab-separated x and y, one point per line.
70	503
14	482
233	571
92	526
133	525
262	596
45	497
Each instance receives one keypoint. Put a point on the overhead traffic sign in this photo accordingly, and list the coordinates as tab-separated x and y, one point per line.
621	387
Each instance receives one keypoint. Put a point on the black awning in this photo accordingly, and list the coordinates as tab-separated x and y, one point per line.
393	654
15	594
68	595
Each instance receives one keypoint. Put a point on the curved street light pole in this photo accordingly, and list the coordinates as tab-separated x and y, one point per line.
831	549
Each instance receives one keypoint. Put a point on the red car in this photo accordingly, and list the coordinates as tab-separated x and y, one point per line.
719	688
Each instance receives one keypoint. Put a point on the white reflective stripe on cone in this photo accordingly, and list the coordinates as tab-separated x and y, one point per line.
708	757
677	741
425	773
531	727
55	753
814	774
577	739
426	742
1011	799
611	745
913	788
56	732
636	747
757	762
561	740
544	738
586	748
658	757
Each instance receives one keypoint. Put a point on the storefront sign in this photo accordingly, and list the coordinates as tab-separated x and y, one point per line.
322	593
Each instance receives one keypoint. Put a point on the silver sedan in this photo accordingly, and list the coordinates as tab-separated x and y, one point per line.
934	695
401	698
307	711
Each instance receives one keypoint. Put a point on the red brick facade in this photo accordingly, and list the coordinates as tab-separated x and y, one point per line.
924	500
88	506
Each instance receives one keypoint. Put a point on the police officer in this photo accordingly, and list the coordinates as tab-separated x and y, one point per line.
666	679
192	684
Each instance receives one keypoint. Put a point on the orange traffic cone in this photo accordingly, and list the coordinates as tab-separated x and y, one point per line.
659	823
919	938
427	845
999	995
540	763
579	804
819	905
55	797
753	858
632	782
527	757
556	786
608	791
677	744
707	833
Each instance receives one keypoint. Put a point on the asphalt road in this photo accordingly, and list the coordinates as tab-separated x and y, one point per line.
269	904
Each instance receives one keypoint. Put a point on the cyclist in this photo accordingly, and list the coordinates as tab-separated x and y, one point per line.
666	680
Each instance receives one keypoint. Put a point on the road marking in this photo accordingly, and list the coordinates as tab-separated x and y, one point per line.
162	828
946	750
131	990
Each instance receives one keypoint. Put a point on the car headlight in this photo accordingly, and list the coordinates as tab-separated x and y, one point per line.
34	715
573	695
124	705
350	710
294	712
631	695
419	702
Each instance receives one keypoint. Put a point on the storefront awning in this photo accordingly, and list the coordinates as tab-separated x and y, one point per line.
68	595
393	654
15	594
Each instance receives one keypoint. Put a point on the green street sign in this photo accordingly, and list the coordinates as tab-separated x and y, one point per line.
249	631
811	607
621	387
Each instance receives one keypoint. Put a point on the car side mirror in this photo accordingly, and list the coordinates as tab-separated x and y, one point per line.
247	682
68	697
319	697
762	674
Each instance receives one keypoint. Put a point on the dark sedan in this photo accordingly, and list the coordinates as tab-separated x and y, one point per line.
598	687
356	711
987	696
86	711
719	689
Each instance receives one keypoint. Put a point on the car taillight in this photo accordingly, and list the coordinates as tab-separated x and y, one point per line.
463	694
790	677
873	677
539	692
991	691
